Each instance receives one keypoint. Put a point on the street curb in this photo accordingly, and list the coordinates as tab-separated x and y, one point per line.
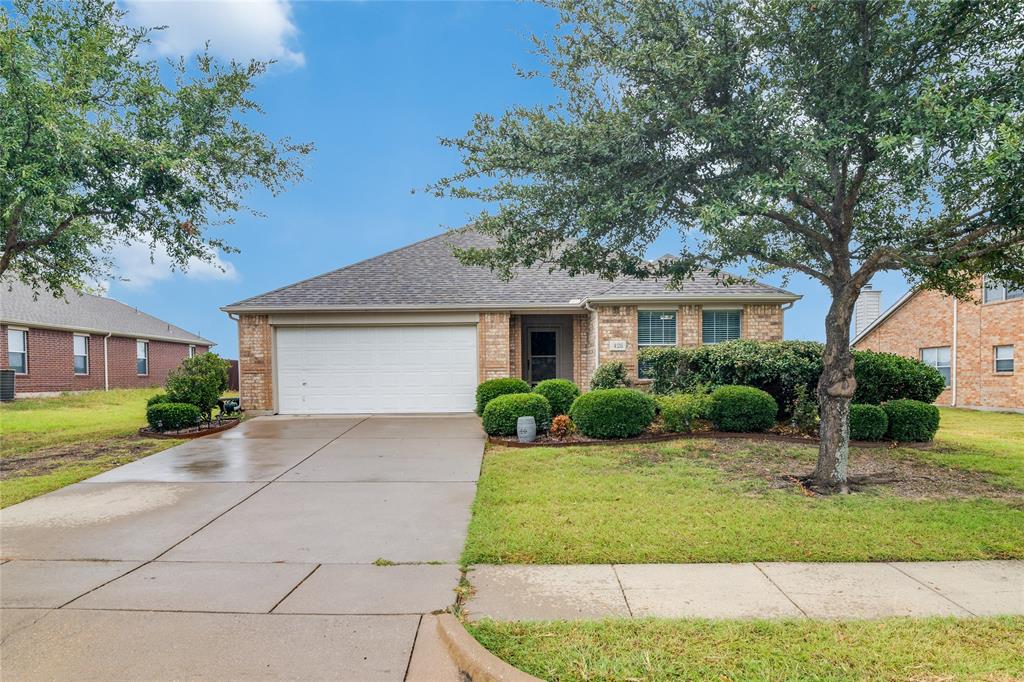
472	658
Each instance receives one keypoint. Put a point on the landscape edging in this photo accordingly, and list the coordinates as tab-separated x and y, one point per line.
190	434
768	437
472	658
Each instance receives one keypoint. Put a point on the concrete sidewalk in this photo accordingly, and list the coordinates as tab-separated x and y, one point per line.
750	590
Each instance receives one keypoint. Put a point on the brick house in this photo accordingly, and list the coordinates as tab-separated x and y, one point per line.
85	342
413	330
976	346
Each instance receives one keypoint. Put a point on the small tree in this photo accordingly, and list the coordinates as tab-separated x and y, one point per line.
99	148
833	139
199	381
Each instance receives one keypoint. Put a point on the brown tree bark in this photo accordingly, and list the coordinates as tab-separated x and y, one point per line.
836	387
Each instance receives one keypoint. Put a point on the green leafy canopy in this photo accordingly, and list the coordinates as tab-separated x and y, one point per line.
836	139
98	147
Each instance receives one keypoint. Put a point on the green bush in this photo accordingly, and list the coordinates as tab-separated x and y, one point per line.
780	367
882	377
911	420
613	412
559	392
610	375
199	381
157	399
743	409
502	413
679	411
805	411
166	416
489	390
868	422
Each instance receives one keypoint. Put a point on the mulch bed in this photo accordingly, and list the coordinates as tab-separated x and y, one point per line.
197	432
545	441
45	460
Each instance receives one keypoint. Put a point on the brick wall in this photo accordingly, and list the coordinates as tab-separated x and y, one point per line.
617	323
255	363
51	362
926	321
761	322
582	351
515	346
688	326
494	355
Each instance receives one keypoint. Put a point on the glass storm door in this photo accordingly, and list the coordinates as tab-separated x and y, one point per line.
543	351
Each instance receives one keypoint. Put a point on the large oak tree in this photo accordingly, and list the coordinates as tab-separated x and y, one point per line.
833	139
100	146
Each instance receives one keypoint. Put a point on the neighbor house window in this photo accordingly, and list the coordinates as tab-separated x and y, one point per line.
720	325
191	351
937	358
1004	359
142	357
81	352
654	328
17	350
1001	291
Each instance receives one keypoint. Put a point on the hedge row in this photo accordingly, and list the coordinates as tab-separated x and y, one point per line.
780	367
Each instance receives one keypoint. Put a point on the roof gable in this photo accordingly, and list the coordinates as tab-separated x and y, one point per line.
427	275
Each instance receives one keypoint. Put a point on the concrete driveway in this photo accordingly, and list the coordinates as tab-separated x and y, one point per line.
261	552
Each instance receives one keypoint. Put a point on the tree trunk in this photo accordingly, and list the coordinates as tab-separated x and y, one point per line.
836	387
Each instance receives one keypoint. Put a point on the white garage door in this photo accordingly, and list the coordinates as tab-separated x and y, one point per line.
345	370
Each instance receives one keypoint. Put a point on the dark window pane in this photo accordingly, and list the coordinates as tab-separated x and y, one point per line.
142	366
81	364
542	368
1004	365
16	361
543	343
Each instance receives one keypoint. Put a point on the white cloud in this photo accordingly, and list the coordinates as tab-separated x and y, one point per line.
236	29
134	269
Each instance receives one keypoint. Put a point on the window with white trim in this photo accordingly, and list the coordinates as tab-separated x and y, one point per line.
720	325
939	359
1003	359
654	328
142	357
996	291
17	350
81	353
191	351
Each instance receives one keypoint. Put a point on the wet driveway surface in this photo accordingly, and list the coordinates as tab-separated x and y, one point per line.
288	547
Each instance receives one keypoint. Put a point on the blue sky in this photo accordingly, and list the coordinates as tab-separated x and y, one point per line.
373	85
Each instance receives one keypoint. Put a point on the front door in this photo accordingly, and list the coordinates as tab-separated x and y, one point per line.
542	353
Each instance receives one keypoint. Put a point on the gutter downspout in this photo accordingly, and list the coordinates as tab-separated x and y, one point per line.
954	363
106	370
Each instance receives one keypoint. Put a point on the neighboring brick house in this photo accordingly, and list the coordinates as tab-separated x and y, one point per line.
976	346
84	342
413	330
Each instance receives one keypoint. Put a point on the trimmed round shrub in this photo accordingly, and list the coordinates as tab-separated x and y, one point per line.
491	389
911	420
502	413
559	392
886	376
610	375
681	410
868	422
613	413
157	399
172	416
743	409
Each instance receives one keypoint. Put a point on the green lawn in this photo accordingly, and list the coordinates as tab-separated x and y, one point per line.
706	501
48	443
893	649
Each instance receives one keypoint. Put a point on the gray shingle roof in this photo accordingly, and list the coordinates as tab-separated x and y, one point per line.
427	275
86	313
